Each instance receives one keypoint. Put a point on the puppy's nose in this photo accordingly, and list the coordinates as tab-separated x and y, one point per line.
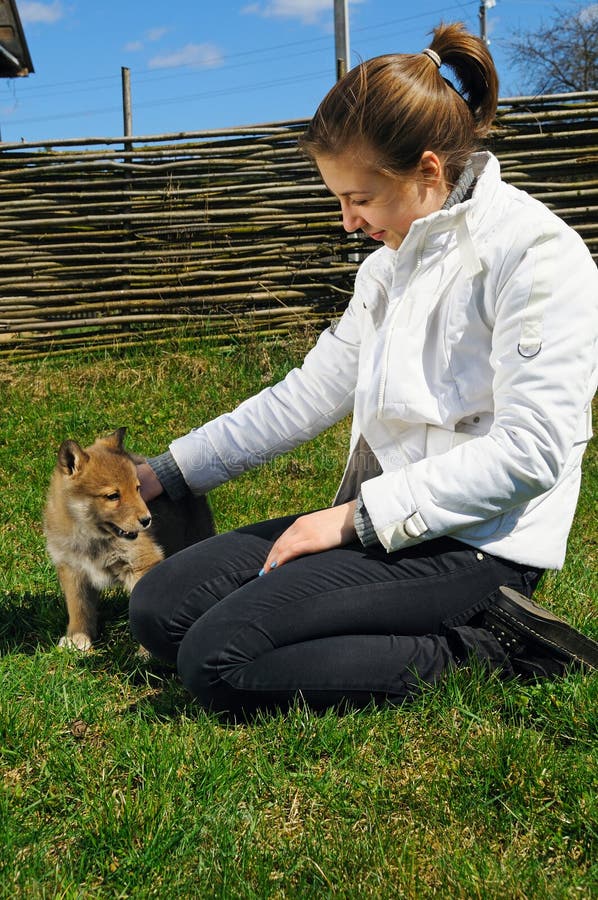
146	521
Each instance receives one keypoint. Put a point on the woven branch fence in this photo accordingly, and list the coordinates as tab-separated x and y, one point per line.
228	233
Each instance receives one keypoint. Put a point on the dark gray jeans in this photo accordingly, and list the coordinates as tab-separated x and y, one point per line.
346	626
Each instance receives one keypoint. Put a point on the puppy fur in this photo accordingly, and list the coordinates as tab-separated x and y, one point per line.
99	531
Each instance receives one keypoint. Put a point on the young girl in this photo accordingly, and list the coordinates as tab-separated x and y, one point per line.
468	359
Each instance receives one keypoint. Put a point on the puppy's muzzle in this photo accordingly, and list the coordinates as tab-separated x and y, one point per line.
145	522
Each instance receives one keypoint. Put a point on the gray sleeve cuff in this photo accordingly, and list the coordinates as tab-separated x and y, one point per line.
169	475
363	524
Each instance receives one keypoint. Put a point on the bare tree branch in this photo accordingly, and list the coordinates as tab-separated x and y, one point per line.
561	55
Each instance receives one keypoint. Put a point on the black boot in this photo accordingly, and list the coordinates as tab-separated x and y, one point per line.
537	643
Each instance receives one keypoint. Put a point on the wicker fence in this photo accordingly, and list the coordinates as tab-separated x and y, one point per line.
230	233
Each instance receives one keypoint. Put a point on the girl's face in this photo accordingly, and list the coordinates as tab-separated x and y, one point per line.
383	206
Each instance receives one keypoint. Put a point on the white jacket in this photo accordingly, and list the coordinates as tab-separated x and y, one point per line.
468	357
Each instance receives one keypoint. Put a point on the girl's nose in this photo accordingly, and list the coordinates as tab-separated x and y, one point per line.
351	221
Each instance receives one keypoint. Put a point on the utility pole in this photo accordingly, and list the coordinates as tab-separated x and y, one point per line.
341	37
484	5
342	54
127	112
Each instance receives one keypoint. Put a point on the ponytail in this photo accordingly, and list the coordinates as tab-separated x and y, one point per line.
392	108
470	60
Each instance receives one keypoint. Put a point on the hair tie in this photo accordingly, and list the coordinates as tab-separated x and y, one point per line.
433	56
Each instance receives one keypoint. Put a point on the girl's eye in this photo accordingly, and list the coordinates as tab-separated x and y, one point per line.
360	202
113	496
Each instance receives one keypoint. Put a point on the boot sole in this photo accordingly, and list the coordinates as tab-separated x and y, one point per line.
527	618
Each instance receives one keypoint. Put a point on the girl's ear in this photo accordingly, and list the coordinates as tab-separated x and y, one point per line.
431	168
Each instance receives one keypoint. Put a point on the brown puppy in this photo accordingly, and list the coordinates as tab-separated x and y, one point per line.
99	532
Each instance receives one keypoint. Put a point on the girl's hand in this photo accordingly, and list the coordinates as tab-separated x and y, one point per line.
151	486
313	533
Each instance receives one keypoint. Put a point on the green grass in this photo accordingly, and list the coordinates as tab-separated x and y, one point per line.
114	784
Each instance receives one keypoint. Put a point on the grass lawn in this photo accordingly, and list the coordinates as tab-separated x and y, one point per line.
114	784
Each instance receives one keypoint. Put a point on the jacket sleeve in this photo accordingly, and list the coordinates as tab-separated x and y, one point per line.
310	399
544	362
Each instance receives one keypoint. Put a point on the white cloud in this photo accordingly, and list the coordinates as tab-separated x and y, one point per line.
150	36
198	56
154	34
32	12
309	12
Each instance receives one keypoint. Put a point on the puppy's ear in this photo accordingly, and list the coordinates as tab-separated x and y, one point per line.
116	440
71	457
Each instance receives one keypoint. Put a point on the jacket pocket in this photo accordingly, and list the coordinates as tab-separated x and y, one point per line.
441	440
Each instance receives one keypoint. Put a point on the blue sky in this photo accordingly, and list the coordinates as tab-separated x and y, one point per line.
203	64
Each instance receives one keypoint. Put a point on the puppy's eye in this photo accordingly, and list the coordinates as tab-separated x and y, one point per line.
115	495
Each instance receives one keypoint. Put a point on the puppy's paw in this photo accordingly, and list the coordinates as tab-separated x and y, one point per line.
143	654
76	641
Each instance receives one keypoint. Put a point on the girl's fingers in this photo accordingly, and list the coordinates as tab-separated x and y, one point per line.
312	533
150	484
268	566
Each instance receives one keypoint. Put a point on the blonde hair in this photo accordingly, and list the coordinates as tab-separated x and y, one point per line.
399	105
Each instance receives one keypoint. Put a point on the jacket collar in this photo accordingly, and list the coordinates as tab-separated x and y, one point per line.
463	219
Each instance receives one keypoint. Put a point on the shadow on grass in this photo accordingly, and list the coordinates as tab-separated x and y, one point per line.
33	623
30	623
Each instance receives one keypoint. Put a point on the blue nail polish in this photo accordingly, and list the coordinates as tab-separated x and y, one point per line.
273	564
261	572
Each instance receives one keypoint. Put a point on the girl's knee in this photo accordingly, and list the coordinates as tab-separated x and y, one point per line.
146	619
196	672
137	611
197	664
